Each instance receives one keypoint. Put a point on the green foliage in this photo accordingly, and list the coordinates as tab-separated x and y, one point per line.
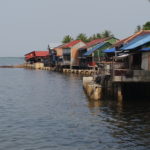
67	39
106	34
82	37
98	36
146	26
93	37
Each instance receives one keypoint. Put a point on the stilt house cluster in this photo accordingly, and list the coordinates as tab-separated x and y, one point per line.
75	54
122	59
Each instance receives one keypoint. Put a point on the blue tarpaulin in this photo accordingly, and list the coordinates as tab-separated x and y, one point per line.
145	49
139	41
90	51
111	50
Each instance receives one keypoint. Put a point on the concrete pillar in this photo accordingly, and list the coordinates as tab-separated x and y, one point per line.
87	80
119	92
38	65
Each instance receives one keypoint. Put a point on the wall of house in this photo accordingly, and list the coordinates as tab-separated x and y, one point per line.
74	57
79	45
74	53
59	51
145	61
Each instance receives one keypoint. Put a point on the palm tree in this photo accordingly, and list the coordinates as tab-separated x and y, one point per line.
67	39
107	33
94	37
82	37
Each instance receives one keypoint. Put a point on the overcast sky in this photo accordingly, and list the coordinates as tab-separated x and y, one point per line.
27	25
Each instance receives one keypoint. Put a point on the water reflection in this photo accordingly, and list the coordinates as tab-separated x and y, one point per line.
128	122
92	104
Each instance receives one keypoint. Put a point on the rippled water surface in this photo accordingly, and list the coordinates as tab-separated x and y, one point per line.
42	110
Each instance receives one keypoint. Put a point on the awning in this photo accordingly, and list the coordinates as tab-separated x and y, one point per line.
90	51
111	50
139	41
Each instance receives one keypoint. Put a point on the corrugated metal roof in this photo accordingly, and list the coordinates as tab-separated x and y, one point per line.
130	38
37	54
140	33
111	50
41	53
89	52
94	42
70	44
138	41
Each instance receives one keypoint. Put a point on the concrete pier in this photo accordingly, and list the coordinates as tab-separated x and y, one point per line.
39	66
94	91
67	71
82	72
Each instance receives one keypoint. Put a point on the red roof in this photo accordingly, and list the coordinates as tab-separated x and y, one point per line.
41	53
94	42
36	54
71	44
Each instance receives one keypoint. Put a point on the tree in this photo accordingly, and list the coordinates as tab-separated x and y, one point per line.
98	36
94	37
146	26
82	37
138	28
106	34
67	39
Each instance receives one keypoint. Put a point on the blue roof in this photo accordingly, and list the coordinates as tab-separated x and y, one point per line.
139	41
90	51
111	50
145	49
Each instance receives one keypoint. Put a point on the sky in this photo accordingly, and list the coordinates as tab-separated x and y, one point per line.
27	25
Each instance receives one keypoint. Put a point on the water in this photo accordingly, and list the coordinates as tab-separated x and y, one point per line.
43	110
8	61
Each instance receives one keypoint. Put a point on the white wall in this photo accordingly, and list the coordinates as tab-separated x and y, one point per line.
145	56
